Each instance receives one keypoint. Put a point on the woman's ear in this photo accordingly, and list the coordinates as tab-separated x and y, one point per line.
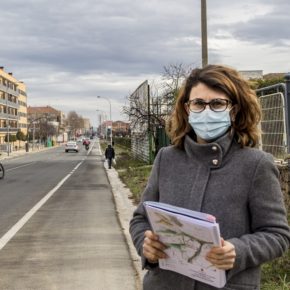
233	113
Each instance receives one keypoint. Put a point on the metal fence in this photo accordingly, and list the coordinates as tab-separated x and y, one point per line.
274	124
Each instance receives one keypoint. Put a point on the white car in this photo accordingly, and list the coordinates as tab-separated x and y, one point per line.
71	146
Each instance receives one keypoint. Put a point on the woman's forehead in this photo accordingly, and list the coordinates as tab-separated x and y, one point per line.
201	91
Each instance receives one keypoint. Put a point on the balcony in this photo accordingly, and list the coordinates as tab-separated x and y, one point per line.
10	104
11	130
8	116
9	91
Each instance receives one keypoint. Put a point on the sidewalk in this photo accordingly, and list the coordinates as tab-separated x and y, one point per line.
15	153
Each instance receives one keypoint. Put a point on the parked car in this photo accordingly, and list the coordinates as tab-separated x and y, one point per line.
71	146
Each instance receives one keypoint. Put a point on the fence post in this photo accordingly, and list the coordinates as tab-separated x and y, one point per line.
287	81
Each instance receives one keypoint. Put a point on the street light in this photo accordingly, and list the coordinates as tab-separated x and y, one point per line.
111	133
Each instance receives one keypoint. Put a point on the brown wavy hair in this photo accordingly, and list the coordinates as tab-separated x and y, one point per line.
245	114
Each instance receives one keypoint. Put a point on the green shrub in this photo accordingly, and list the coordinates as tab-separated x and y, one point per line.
122	141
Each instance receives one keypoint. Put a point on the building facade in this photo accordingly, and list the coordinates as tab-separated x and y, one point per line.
121	128
13	106
22	112
45	123
251	74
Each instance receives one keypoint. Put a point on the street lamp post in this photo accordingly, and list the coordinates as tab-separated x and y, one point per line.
111	133
33	136
8	148
7	119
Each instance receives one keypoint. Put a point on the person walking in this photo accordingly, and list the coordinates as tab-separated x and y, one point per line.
110	155
214	167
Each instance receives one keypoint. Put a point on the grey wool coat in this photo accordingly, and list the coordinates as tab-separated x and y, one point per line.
239	186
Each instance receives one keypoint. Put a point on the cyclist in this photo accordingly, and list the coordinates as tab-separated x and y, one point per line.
2	171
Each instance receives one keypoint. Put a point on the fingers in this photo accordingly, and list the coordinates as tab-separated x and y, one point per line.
152	248
222	257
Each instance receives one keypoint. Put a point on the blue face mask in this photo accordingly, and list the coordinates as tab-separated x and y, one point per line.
209	125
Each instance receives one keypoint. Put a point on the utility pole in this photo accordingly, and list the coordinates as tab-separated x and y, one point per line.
204	33
149	126
287	111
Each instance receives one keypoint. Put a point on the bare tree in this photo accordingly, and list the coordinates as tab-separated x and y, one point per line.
173	77
74	121
45	129
161	100
150	114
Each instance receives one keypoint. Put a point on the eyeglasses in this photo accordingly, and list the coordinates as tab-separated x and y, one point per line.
216	105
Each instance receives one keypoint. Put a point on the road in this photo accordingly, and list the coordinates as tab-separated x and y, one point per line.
58	227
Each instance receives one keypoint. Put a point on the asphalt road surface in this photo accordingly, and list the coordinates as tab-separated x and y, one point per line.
58	227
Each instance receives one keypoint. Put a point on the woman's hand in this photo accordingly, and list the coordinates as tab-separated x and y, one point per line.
222	257
152	248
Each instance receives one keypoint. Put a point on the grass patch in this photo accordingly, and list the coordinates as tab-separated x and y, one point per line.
136	179
276	274
134	173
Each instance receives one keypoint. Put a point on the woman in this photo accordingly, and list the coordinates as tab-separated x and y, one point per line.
213	167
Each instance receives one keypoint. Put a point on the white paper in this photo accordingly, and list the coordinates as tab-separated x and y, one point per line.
189	235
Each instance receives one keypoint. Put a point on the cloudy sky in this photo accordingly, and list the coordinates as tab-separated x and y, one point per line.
69	52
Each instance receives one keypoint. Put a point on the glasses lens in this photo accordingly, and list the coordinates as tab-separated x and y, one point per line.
218	105
197	105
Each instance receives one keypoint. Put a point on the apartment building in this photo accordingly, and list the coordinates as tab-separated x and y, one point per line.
87	126
121	128
13	105
22	112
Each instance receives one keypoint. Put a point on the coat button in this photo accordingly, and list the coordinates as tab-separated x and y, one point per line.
215	162
214	148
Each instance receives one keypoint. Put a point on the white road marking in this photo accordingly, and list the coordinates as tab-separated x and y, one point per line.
20	166
14	229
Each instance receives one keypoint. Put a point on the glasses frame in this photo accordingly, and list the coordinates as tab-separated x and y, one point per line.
228	102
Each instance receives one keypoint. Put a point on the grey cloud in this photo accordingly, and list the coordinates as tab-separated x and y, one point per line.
67	51
99	36
271	29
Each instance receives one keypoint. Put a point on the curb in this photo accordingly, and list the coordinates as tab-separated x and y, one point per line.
125	208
